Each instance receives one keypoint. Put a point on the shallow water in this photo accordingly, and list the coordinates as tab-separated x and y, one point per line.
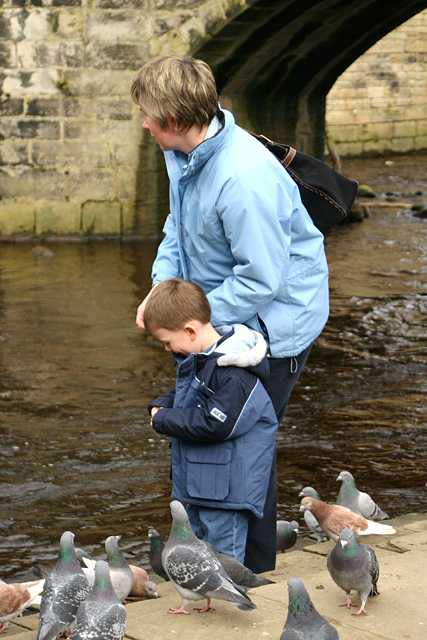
76	376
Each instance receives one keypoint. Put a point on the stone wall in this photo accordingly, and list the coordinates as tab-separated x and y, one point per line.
71	139
379	104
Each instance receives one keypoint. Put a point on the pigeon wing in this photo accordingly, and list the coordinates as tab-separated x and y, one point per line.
194	572
100	621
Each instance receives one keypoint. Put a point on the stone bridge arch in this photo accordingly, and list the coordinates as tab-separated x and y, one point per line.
73	158
276	61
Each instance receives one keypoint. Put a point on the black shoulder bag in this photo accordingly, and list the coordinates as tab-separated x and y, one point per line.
327	195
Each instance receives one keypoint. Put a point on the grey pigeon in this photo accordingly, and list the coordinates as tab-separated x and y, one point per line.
309	518
194	570
361	503
64	590
120	571
239	574
155	553
353	566
17	596
304	622
286	534
101	616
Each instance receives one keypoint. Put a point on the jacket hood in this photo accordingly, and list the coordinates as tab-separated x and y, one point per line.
242	347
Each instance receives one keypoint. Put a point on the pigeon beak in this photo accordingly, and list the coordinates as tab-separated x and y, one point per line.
344	543
302	508
339	478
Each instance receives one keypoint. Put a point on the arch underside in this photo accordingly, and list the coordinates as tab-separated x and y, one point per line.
277	60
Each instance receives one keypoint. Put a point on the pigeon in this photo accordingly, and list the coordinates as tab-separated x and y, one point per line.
120	571
15	597
64	590
193	568
353	566
286	534
239	574
361	503
141	585
155	554
101	616
333	519
309	518
304	622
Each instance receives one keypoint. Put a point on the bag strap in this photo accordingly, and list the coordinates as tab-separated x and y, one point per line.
283	152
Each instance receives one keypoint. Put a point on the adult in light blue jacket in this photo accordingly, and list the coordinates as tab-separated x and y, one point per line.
237	227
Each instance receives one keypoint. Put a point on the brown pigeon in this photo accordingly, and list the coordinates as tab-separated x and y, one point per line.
142	587
333	518
16	597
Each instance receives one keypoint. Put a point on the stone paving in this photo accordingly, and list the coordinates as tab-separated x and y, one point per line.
398	612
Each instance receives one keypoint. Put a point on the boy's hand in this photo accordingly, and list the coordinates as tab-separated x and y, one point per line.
154	410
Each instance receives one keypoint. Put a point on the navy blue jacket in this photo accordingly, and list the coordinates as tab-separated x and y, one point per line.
222	424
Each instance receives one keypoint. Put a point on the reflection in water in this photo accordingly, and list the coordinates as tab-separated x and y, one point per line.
76	376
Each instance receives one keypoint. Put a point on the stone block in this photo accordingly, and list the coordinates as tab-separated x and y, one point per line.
26	54
77	107
83	129
26	128
61	54
348	149
71	153
68	25
118	26
11	106
141	5
43	107
127	155
13	152
420	142
401	145
404	129
30	182
113	109
91	184
370	131
99	82
123	131
7	54
18	83
59	217
344	133
115	55
101	218
16	216
377	146
36	23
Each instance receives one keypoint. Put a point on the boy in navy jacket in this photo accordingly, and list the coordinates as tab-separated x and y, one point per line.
219	416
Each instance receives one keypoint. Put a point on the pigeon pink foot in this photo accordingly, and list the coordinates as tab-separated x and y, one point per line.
207	608
180	610
348	603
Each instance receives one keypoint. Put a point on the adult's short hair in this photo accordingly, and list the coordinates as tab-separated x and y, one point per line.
173	303
177	88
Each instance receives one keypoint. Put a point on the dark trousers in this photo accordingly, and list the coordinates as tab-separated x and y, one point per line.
261	542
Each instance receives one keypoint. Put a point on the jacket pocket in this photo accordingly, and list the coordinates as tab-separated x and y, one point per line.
208	471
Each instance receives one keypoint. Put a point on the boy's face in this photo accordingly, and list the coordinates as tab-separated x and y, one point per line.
182	341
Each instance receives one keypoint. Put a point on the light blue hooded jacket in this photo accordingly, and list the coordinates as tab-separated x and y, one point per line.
237	227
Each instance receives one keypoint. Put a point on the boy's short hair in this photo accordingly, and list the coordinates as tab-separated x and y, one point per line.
173	303
178	87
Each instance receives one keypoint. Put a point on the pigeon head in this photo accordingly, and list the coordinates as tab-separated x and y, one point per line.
66	554
348	541
309	492
307	503
345	476
102	588
181	528
299	600
115	556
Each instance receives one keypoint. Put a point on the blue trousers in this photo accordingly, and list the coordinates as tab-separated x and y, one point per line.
261	541
225	529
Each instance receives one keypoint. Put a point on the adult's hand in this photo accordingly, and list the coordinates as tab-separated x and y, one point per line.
140	311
